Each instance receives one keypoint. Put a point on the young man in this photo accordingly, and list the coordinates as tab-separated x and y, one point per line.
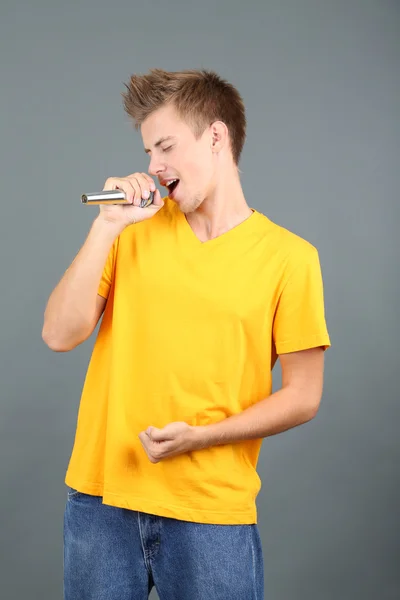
200	294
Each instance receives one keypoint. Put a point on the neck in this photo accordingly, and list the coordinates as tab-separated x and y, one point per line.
224	208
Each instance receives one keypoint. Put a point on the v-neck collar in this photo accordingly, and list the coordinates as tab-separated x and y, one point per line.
237	230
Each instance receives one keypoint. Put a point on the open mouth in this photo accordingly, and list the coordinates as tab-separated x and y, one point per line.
172	187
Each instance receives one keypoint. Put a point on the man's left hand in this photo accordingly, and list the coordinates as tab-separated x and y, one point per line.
173	439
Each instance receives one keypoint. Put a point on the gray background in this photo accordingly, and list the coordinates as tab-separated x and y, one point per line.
321	83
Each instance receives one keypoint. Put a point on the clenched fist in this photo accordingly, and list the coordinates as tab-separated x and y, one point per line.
136	187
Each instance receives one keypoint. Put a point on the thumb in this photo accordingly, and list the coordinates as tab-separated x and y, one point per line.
157	203
157	435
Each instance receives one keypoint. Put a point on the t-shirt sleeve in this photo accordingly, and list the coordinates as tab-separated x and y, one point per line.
299	321
108	271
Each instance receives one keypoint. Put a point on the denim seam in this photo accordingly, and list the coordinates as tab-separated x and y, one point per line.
142	543
254	563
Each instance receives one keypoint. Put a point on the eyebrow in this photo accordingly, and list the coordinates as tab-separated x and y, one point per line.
159	142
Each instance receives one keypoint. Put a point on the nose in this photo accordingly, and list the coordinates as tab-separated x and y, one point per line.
156	167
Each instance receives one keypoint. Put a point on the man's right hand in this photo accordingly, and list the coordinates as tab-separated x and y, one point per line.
136	187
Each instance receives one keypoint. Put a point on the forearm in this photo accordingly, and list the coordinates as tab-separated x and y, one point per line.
71	308
295	403
283	410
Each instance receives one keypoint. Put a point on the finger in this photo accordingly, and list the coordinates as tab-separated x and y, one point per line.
164	450
152	185
157	201
129	191
113	183
152	202
148	179
144	187
145	441
159	435
120	183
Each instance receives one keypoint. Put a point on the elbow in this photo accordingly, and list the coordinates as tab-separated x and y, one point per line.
313	408
56	343
306	402
57	348
312	413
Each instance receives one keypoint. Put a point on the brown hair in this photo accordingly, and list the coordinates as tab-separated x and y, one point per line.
199	96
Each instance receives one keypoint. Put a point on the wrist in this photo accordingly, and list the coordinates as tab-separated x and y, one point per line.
200	437
107	227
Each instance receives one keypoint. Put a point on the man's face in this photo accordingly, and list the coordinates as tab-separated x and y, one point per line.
176	154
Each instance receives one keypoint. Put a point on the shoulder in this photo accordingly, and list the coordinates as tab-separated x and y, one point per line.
293	249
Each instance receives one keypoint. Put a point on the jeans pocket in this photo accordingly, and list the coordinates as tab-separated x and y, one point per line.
72	492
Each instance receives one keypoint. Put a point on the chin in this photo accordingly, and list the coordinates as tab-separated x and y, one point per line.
183	207
188	205
192	205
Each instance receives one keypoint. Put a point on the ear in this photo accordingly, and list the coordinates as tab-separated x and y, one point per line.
219	136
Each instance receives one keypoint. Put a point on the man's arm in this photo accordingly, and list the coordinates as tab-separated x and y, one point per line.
74	306
294	404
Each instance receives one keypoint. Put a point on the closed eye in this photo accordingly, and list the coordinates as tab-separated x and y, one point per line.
166	149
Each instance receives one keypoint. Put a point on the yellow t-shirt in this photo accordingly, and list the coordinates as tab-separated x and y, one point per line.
190	332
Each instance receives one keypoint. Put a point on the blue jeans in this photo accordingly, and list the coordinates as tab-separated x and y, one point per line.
119	554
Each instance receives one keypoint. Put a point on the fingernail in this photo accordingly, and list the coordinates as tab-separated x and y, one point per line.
146	194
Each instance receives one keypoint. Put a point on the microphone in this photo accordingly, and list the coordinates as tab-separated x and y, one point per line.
112	197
